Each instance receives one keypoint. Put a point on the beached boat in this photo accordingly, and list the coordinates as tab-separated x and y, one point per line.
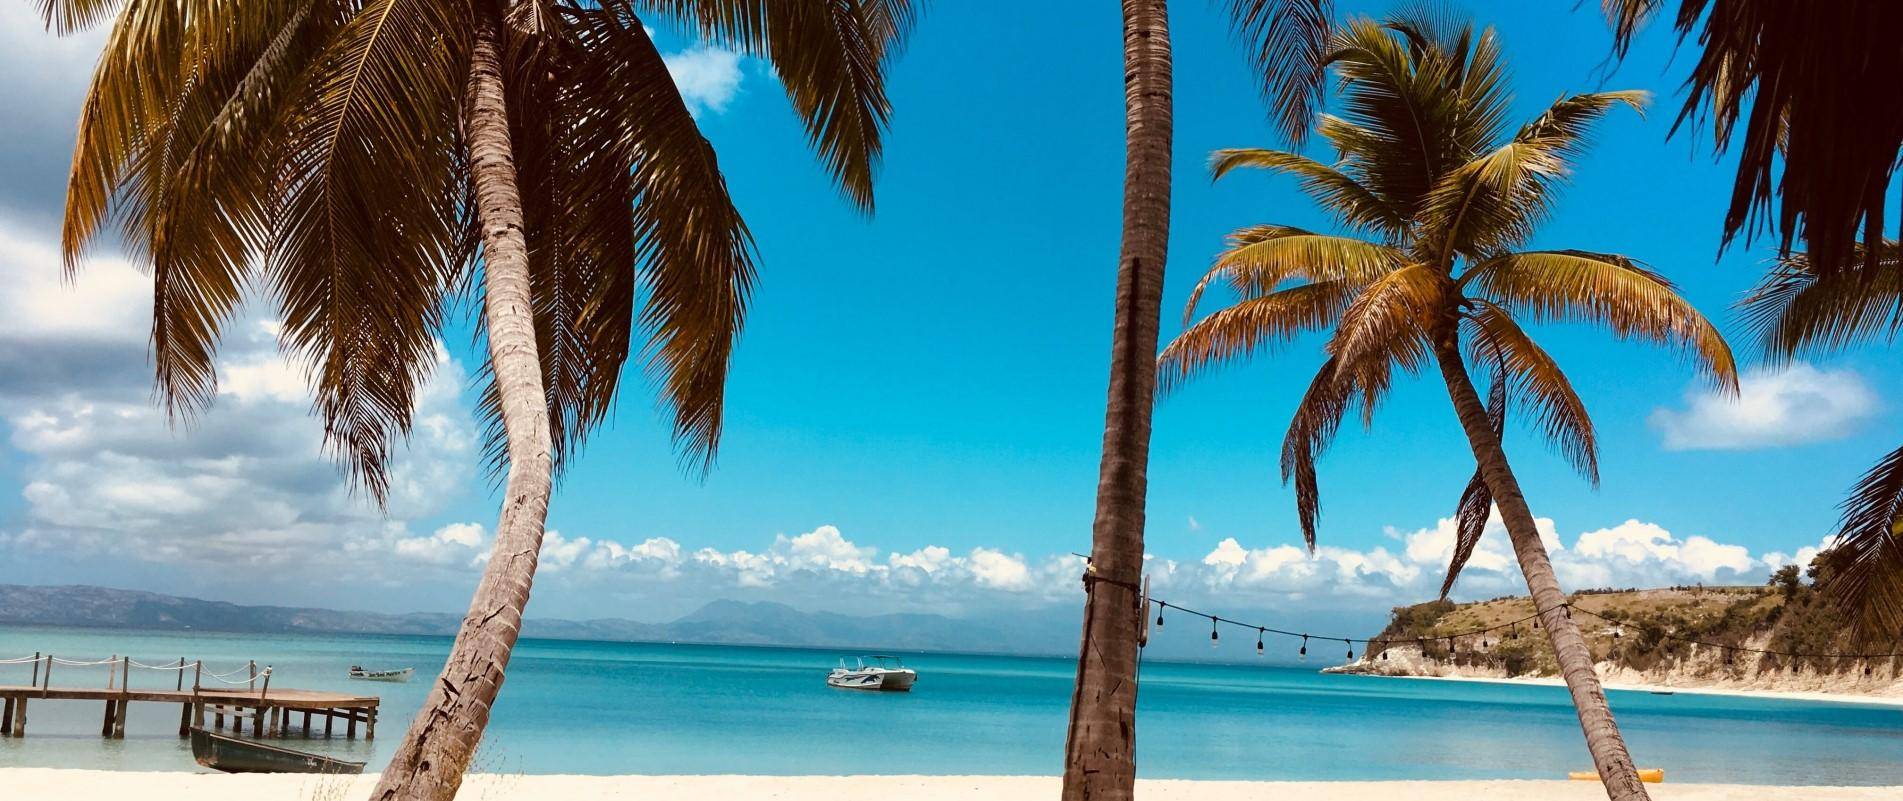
232	755
381	675
890	674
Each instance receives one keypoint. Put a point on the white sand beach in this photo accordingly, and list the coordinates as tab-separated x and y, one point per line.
94	785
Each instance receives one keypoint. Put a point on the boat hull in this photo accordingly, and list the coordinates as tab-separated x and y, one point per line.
383	675
232	755
876	681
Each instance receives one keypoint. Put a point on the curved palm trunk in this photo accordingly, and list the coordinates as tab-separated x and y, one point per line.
443	738
1099	760
1575	657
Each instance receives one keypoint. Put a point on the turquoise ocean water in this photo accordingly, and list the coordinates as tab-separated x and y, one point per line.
614	708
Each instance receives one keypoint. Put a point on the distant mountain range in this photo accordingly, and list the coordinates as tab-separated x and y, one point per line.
720	622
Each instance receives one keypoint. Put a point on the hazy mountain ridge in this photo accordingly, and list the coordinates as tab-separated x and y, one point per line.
723	622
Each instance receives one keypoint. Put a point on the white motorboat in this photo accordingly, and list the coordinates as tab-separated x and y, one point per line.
357	672
890	675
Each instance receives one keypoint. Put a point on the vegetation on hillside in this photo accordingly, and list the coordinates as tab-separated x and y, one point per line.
1657	630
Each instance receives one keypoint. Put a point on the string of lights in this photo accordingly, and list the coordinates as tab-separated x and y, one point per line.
1262	631
1216	622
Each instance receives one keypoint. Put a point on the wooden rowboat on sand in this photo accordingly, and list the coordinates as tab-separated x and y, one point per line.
232	755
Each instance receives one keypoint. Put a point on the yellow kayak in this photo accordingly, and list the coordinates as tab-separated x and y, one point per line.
1651	775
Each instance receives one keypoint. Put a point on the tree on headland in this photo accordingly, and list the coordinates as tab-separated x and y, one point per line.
360	163
1439	195
1801	306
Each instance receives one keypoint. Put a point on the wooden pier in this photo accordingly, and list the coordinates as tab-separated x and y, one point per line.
272	712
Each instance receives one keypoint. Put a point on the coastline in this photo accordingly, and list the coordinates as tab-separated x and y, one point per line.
91	785
1810	696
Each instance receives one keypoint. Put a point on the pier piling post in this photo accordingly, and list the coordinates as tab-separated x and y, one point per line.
307	724
218	720
36	669
330	719
19	717
125	698
105	725
184	717
49	679
6	716
370	729
181	674
350	729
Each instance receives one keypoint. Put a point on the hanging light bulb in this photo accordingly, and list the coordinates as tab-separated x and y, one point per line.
1258	642
1351	649
1159	613
1303	654
1213	636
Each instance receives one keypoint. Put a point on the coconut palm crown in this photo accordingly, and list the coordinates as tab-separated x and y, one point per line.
1802	307
1436	196
313	153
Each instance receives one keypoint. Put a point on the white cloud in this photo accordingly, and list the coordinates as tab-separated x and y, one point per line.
1791	406
454	544
708	77
245	483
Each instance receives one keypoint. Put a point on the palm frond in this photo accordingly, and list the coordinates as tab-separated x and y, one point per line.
1476	501
1239	330
1317	418
1610	290
693	248
831	55
1354	205
1496	200
1796	79
1287	42
1867	582
1531	375
364	233
1798	307
71	16
1262	257
1387	323
175	140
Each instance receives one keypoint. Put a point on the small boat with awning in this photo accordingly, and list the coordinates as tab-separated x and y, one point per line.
890	675
233	755
398	675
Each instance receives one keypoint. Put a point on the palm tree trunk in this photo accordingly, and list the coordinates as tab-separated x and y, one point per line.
1099	754
1574	655
443	738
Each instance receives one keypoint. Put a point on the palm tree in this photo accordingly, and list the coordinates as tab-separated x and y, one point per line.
1099	748
1795	79
1439	196
1282	36
350	158
1801	306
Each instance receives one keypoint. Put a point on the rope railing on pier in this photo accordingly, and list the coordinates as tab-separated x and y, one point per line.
137	664
75	663
261	674
22	660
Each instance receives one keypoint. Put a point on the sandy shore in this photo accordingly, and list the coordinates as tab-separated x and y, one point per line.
93	785
1786	695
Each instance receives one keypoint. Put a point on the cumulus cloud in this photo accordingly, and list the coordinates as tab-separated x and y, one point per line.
819	563
1790	406
246	483
1631	554
708	77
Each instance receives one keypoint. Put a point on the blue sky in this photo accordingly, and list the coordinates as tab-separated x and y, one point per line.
932	377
